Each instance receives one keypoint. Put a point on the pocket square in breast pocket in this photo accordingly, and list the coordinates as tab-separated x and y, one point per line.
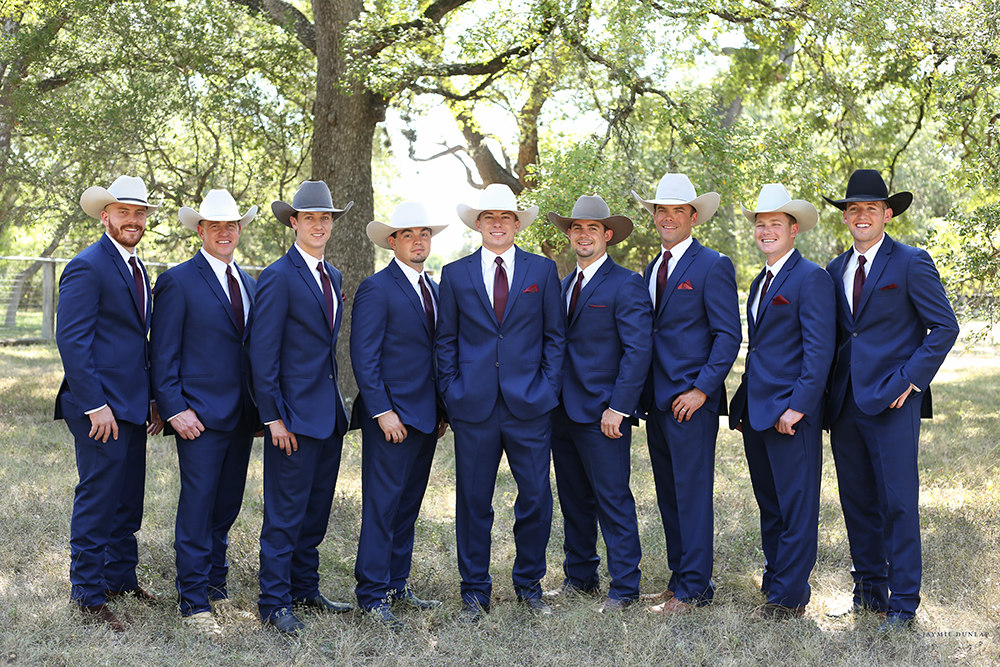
594	305
685	285
889	286
532	289
780	301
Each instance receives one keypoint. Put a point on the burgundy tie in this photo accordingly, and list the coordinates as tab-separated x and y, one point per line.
763	292
140	287
428	304
235	298
576	293
500	291
661	278
859	284
327	292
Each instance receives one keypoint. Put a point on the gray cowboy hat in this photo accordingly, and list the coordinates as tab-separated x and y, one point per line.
311	196
593	207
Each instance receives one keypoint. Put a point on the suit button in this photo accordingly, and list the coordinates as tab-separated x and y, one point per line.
656	331
498	364
501	336
329	377
855	334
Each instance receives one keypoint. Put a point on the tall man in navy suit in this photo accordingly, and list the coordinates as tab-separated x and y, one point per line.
895	327
392	353
201	381
696	337
779	404
500	343
293	353
608	350
102	322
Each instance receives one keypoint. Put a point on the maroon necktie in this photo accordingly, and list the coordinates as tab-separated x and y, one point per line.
235	298
763	292
661	278
428	304
140	287
500	291
576	293
327	292
859	284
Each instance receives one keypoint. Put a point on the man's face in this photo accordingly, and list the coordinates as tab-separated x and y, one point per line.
312	230
774	234
412	246
674	222
588	239
498	229
866	221
125	223
219	239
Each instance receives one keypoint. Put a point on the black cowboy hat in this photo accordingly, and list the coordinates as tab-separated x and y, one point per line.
867	185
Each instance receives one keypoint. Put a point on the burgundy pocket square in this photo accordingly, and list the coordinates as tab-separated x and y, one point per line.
780	301
685	285
343	297
594	305
891	286
531	290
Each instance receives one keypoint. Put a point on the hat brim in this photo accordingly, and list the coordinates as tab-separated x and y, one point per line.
898	202
95	198
283	211
706	205
619	225
379	232
468	215
805	214
191	218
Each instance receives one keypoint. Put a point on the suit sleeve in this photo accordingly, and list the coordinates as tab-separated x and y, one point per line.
819	338
554	330
722	308
76	321
369	317
634	319
446	334
166	332
927	295
265	343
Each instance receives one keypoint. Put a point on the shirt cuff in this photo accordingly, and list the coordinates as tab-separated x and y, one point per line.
177	415
90	412
618	413
380	414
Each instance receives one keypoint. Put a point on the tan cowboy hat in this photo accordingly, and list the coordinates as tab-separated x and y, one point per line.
496	197
594	208
311	196
774	198
676	189
218	206
125	190
408	215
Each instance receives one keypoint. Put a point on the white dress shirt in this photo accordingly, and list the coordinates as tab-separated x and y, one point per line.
774	269
588	273
490	267
675	256
852	267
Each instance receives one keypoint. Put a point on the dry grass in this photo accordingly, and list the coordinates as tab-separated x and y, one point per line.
958	619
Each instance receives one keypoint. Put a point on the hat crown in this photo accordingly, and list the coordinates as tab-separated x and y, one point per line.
772	196
128	189
497	197
864	182
312	195
677	187
409	214
590	207
219	205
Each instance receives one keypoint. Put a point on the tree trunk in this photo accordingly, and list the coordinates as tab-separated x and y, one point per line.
344	125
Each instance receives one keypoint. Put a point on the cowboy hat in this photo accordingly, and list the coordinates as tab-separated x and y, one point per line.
594	208
676	189
408	215
867	185
125	190
496	197
774	198
218	206
311	196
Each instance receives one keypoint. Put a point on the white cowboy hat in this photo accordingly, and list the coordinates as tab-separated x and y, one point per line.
676	189
408	215
125	189
218	205
594	208
774	198
496	197
311	196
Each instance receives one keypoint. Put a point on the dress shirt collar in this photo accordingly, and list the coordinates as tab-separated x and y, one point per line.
489	257
589	272
678	250
309	259
869	254
218	266
774	268
126	255
411	274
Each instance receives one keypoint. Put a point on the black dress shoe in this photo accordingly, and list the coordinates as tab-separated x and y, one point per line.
409	599
472	612
322	604
99	613
384	617
286	622
536	605
894	623
136	593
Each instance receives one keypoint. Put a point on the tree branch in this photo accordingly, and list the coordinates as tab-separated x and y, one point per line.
285	16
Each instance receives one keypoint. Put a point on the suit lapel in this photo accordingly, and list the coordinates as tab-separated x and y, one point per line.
591	286
522	264
675	277
751	320
836	271
126	273
251	291
337	291
878	266
213	284
776	283
403	283
306	273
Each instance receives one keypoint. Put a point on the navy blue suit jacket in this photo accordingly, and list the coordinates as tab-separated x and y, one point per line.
904	329
293	353
608	344
102	337
199	359
696	330
791	346
392	351
523	358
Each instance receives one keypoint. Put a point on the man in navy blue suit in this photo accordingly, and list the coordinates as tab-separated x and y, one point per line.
201	381
779	404
293	354
392	353
696	337
608	350
500	343
102	322
895	327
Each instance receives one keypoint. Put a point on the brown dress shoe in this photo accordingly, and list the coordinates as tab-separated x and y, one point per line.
672	607
99	613
777	612
137	593
657	597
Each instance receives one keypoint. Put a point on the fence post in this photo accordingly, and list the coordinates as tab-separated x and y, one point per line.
48	300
